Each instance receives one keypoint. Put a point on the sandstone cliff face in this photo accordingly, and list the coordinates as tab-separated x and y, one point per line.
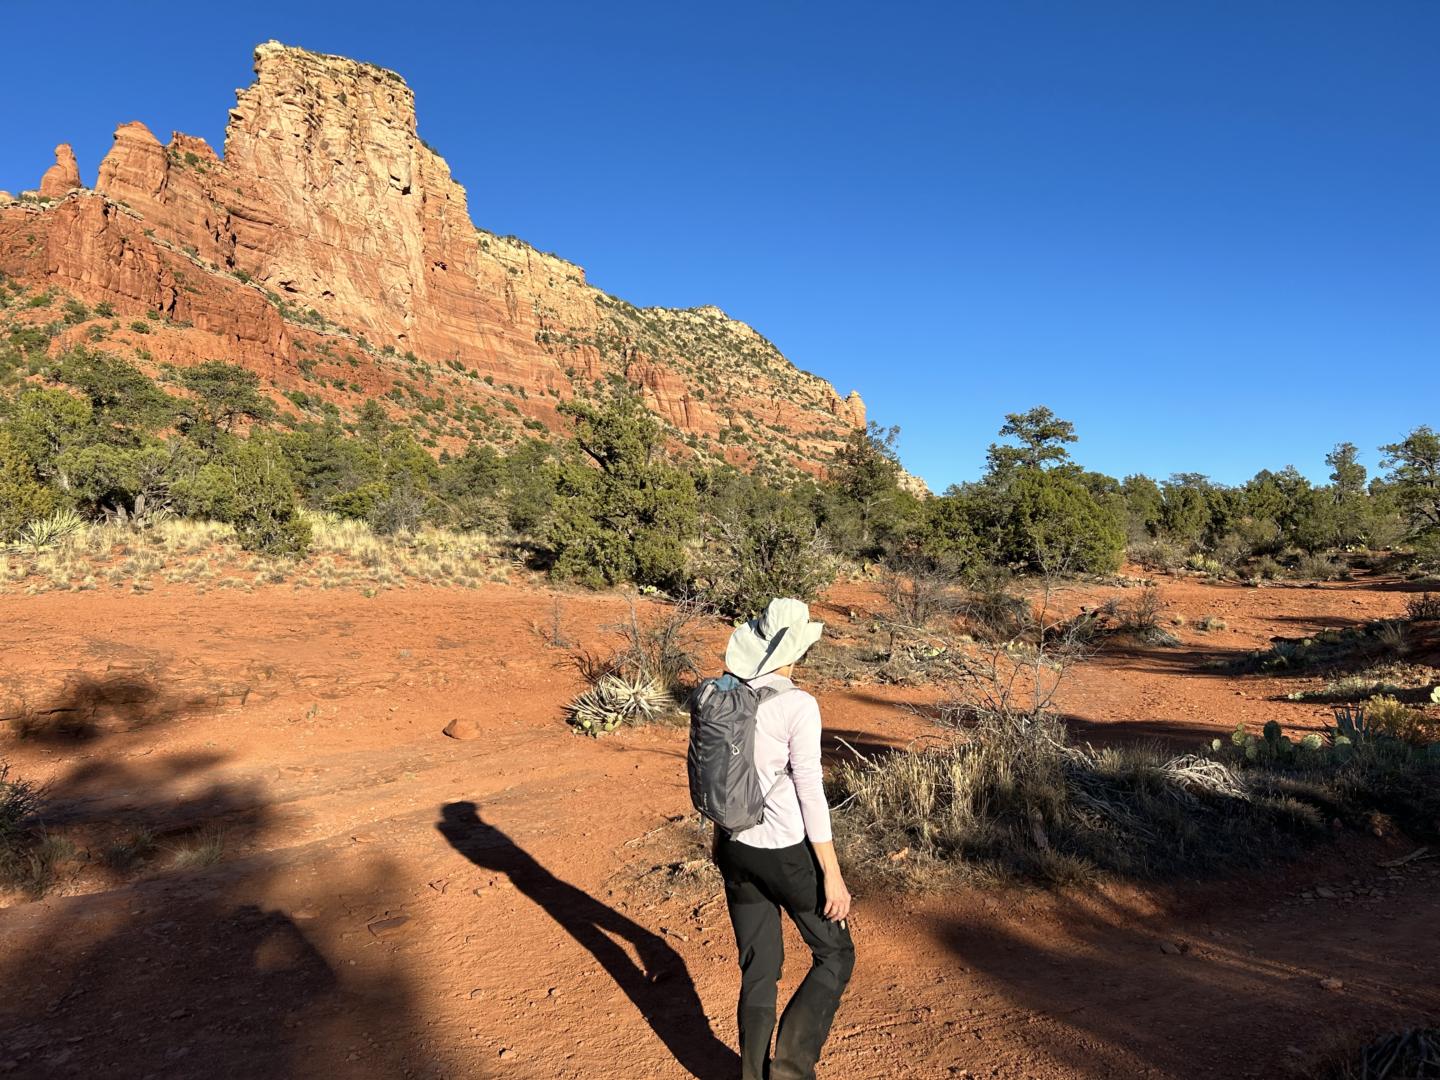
329	227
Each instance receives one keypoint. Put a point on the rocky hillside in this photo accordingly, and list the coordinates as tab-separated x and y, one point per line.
331	251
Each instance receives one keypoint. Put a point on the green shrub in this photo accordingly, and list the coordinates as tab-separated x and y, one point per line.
23	497
264	510
744	562
1051	522
626	514
248	486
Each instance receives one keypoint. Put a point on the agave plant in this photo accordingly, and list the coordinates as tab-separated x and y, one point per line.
616	700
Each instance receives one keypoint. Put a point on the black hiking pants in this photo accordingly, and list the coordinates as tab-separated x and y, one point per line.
758	883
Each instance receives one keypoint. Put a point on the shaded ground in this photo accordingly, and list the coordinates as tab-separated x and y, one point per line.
394	903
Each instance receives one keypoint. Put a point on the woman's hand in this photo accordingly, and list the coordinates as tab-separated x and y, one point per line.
837	896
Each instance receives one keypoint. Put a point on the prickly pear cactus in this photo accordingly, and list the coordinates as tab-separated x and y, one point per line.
1312	741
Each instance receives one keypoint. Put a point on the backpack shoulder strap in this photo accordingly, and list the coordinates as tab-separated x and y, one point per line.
765	693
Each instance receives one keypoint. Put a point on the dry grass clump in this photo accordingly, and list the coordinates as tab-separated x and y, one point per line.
202	849
175	551
1404	1055
1013	799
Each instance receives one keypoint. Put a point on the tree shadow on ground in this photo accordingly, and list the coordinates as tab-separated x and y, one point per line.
176	980
88	706
660	988
174	959
1115	1004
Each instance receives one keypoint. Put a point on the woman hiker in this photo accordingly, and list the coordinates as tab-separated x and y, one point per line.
788	860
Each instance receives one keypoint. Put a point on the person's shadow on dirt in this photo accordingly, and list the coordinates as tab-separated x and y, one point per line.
663	991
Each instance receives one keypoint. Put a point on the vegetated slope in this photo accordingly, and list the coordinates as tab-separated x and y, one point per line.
331	252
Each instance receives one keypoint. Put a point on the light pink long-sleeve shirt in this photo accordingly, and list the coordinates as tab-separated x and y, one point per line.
787	756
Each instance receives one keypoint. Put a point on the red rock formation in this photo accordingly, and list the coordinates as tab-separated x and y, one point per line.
329	217
63	177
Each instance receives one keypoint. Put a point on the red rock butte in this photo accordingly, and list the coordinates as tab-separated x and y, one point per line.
331	251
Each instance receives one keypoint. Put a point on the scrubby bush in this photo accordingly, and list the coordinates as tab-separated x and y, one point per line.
1014	798
1387	716
20	863
992	607
743	563
1423	608
250	487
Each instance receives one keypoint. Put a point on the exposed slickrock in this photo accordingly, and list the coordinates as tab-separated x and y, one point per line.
328	225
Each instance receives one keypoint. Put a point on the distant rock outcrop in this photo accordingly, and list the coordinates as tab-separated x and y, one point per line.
63	177
330	250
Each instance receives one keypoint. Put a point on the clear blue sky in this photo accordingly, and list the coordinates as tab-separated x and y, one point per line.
1207	232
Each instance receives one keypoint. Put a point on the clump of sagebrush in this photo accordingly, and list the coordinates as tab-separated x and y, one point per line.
1013	798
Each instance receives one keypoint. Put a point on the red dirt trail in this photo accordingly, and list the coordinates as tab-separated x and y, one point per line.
394	903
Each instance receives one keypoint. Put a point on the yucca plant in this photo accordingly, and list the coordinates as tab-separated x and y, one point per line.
46	532
618	699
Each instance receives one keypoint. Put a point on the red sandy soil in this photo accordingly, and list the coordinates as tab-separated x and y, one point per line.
344	935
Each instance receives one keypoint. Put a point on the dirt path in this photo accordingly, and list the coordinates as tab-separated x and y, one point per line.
395	903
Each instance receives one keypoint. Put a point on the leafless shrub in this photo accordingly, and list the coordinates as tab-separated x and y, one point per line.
553	633
1140	615
646	677
919	594
1423	608
664	648
993	610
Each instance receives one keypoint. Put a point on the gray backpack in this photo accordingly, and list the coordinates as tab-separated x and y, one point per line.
724	783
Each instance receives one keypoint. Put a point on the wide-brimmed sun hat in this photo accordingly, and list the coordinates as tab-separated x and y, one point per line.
777	638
